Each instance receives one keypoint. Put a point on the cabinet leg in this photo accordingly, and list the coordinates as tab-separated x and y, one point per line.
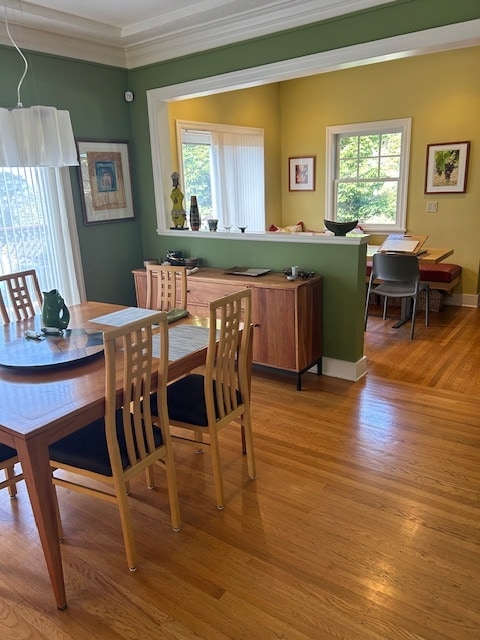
299	381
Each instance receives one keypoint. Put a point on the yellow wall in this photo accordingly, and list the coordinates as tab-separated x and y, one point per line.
255	107
440	92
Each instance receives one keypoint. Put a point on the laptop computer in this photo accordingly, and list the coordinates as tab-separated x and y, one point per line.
246	271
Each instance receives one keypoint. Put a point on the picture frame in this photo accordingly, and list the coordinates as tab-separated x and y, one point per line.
301	173
447	167
105	182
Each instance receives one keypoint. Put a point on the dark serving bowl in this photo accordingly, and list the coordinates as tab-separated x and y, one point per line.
340	228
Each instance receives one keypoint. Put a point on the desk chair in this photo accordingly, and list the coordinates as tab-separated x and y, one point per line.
8	459
21	286
400	278
166	287
124	443
200	406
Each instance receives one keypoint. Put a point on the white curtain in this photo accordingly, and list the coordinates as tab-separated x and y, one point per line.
238	191
38	230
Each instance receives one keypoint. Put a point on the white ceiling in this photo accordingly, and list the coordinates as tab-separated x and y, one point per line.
132	33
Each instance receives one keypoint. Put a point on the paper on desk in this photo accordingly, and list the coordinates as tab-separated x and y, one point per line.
399	245
124	316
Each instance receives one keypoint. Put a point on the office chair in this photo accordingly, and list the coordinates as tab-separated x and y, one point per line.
200	405
124	443
400	278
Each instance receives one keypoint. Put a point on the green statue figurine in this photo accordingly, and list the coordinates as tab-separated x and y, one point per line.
179	215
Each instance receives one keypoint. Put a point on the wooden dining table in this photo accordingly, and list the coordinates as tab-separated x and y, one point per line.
42	403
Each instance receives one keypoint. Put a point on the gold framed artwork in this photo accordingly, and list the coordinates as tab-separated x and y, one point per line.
105	182
301	173
447	166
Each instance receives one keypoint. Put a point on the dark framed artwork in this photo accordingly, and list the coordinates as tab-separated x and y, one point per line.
301	173
447	166
105	182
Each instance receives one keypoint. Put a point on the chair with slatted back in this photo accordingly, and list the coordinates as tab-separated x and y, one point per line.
24	292
200	405
3	310
8	460
166	287
124	443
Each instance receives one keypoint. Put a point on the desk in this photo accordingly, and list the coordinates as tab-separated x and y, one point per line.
432	255
39	407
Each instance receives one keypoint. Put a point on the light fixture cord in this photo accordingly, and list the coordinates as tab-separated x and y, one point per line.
19	102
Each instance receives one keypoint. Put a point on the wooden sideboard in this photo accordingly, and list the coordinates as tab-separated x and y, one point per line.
287	315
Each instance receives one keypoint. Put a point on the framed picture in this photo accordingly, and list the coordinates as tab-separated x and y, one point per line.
104	170
301	174
447	165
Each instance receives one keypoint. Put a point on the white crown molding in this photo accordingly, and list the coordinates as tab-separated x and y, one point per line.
257	23
164	37
29	39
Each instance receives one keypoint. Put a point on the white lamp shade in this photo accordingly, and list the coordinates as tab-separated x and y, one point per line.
36	137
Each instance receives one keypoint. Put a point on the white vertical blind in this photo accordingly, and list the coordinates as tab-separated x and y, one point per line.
238	179
38	231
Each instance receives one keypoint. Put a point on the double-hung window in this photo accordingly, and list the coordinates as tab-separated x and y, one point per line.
367	174
223	165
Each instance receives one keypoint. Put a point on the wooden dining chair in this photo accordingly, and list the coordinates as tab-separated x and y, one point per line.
8	460
166	287
3	310
124	443
24	292
201	405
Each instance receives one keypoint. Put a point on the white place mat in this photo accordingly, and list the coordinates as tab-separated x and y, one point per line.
182	340
124	316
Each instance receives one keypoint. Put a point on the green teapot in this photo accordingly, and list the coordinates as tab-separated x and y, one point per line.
55	313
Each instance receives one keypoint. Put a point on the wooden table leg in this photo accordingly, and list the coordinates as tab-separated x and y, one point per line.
33	454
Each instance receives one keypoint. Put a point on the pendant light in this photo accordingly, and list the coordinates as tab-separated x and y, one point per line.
36	136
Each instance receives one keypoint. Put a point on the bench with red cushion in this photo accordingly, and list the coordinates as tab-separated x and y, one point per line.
443	276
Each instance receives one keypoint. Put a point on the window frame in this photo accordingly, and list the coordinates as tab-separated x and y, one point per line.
401	125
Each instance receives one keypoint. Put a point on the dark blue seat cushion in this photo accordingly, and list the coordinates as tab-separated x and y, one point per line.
6	452
186	400
87	447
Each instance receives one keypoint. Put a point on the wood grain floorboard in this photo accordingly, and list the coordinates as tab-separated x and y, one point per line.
363	522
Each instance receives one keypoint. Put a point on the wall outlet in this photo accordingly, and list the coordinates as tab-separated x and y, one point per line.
432	206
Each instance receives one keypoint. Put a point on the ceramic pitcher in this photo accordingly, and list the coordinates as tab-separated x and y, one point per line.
54	310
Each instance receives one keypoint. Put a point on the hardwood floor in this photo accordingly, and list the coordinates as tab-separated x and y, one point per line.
363	522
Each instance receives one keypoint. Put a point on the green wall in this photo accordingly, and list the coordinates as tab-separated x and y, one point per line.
94	96
342	267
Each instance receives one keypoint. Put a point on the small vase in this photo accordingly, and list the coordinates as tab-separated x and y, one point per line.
194	214
55	312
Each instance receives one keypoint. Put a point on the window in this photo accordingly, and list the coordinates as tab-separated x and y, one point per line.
367	174
223	166
35	230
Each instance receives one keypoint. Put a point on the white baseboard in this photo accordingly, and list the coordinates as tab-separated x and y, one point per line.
462	300
352	371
